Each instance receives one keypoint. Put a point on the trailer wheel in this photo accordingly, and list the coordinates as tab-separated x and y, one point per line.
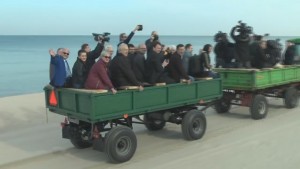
120	144
222	106
291	98
79	137
153	124
193	125
259	107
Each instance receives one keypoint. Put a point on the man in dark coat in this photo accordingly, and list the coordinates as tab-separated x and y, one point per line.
79	70
241	46
155	66
131	53
188	53
289	53
138	63
224	51
273	50
258	54
175	68
120	69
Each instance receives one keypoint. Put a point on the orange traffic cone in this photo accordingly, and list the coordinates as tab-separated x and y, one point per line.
52	98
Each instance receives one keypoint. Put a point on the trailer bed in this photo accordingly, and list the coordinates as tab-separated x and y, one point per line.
92	106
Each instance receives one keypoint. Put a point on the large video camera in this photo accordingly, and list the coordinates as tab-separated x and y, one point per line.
243	29
104	37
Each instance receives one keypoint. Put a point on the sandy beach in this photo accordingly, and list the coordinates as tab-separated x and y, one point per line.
30	139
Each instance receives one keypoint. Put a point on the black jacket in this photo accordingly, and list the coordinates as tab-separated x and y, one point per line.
79	73
224	51
121	73
289	55
194	66
259	57
274	52
175	68
241	46
138	66
154	67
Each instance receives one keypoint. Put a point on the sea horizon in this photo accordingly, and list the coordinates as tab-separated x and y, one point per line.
127	32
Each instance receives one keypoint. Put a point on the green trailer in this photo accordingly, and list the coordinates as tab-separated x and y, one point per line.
250	87
104	120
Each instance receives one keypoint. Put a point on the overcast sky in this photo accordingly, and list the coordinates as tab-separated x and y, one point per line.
168	17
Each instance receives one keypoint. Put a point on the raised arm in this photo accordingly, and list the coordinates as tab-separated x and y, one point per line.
127	40
54	59
94	54
52	52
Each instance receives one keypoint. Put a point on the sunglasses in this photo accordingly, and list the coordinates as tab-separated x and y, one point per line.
66	53
107	57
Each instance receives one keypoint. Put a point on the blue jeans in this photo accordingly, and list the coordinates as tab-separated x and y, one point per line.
213	74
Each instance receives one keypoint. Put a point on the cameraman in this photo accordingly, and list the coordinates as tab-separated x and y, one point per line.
94	54
242	44
126	39
290	53
224	51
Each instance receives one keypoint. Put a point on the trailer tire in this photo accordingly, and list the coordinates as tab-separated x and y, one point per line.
291	98
153	124
120	144
222	106
259	107
76	138
193	125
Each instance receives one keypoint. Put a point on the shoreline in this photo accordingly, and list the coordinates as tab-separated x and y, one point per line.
22	110
21	94
26	131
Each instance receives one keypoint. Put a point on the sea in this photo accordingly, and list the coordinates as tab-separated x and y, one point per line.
24	64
